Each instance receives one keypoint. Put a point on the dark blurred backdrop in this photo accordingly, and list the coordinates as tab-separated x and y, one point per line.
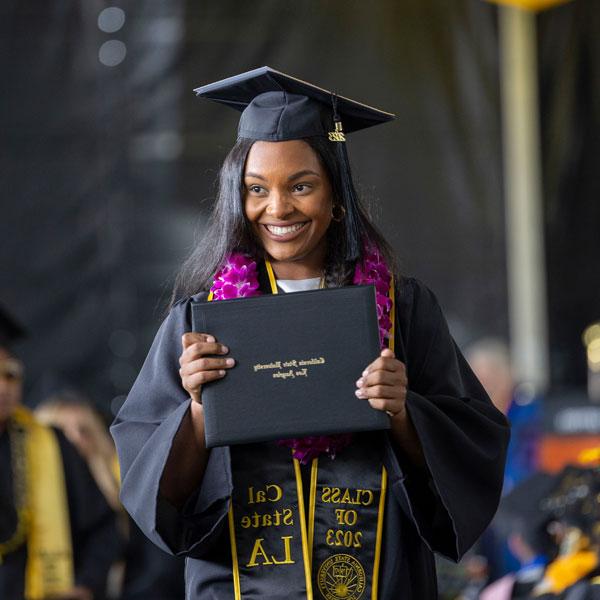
108	161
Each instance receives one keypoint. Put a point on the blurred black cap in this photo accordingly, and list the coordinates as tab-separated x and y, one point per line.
522	510
10	330
279	107
575	498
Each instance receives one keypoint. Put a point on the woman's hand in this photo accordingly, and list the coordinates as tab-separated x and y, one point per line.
383	384
188	457
199	364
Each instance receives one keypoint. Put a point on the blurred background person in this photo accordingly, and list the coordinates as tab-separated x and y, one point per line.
86	430
574	503
490	360
493	556
527	527
57	533
143	572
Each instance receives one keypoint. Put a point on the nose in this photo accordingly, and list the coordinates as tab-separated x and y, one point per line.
280	205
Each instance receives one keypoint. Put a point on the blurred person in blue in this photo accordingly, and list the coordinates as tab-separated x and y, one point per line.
490	360
57	532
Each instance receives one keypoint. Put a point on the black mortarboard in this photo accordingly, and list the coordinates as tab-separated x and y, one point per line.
277	107
10	330
522	510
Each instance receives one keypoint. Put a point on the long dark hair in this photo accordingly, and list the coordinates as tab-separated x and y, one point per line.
228	229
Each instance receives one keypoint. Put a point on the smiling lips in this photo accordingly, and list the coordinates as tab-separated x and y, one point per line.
284	233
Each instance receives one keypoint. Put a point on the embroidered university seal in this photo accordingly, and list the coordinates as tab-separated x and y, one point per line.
341	577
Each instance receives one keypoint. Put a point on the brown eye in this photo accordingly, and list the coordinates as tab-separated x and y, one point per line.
302	188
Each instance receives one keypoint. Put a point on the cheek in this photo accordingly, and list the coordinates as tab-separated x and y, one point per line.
251	210
324	208
16	390
323	217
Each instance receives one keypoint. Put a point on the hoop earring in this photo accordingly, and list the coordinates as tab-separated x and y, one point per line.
341	215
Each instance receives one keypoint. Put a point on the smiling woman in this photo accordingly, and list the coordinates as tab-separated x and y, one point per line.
288	218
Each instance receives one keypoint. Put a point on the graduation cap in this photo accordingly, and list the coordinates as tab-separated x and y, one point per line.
522	510
278	107
10	330
575	499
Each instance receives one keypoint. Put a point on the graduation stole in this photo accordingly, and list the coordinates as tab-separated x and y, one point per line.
329	546
41	499
322	540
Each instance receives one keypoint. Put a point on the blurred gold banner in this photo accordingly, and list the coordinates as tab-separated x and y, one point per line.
534	5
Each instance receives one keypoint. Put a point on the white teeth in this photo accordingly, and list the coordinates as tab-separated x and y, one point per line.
284	230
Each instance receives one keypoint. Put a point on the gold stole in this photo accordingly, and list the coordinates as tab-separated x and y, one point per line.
330	552
339	567
49	568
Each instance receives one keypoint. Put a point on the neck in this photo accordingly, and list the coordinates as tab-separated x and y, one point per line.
298	270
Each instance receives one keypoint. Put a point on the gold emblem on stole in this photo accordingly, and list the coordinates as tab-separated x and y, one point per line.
341	577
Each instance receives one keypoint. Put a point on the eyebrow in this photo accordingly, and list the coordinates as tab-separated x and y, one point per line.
302	174
290	178
255	176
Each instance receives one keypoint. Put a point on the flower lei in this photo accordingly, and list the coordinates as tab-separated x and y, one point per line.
238	278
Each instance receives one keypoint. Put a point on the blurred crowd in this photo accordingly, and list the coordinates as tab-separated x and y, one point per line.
63	532
544	541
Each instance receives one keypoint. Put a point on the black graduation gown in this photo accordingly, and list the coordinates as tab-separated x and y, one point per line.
93	529
443	509
150	574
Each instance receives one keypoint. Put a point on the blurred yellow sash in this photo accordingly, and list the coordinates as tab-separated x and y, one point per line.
49	568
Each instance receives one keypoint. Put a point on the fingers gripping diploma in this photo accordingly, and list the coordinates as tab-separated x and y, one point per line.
201	362
383	383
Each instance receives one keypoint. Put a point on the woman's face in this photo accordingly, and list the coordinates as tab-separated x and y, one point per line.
74	423
288	201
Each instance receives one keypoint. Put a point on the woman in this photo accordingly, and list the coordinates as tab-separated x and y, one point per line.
287	218
84	428
57	533
142	570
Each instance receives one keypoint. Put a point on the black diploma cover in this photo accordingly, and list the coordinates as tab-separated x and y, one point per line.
298	357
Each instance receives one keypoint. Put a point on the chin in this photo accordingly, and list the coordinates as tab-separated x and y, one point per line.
278	251
284	257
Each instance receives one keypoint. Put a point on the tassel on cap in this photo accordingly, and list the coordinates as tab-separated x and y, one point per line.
353	250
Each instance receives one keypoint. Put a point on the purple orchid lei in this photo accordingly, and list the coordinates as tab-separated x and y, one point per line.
238	278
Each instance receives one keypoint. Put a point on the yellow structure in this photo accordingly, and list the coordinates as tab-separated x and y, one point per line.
534	5
591	339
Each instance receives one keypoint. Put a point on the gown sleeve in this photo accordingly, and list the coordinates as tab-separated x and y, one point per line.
144	430
463	436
